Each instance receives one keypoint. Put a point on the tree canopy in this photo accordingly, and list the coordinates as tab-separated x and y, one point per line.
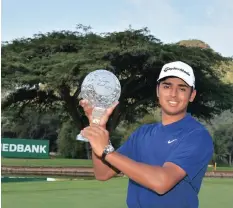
46	72
193	43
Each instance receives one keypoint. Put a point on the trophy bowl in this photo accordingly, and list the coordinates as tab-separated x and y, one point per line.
102	89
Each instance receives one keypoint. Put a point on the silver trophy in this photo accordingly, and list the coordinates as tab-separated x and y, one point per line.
102	89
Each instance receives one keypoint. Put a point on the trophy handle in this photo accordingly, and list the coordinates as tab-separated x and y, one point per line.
97	113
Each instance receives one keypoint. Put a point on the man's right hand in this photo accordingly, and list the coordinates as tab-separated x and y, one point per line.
88	112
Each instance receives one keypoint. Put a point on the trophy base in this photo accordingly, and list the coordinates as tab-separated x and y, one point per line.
79	137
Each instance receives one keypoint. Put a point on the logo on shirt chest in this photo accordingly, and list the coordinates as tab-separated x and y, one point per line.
171	141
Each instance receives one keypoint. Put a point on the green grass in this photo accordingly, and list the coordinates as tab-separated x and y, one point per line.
83	194
221	168
215	193
59	162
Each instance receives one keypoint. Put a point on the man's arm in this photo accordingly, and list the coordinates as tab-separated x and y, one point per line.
102	171
158	179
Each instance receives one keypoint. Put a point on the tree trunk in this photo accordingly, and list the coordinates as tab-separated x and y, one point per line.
87	145
230	160
70	103
115	119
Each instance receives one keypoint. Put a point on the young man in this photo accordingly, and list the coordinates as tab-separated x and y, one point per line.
166	161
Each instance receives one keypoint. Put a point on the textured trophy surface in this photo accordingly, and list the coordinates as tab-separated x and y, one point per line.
102	89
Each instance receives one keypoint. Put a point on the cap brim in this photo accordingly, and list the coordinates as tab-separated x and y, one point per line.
163	78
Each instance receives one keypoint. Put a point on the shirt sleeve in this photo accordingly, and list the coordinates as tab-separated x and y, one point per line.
127	147
193	153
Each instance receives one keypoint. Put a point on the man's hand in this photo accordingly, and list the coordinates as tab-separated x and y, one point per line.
88	112
98	138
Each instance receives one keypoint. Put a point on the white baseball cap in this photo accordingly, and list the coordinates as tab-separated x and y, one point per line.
178	69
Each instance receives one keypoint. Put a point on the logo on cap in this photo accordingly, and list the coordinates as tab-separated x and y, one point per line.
174	68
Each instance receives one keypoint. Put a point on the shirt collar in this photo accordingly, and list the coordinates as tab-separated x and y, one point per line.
176	125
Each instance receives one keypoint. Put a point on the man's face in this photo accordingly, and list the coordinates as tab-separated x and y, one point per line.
174	95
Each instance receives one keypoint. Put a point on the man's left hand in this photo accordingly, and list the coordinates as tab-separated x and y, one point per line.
98	138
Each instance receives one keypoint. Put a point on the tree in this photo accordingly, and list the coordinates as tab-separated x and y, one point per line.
193	43
126	128
67	145
31	124
221	130
226	68
46	72
223	143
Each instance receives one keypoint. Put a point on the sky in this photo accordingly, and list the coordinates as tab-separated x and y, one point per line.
168	20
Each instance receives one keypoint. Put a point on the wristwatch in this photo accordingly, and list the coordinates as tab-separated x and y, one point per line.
108	149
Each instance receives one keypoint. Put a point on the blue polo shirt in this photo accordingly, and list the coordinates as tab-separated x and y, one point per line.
187	144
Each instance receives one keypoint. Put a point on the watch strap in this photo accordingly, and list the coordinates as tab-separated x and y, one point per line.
108	149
